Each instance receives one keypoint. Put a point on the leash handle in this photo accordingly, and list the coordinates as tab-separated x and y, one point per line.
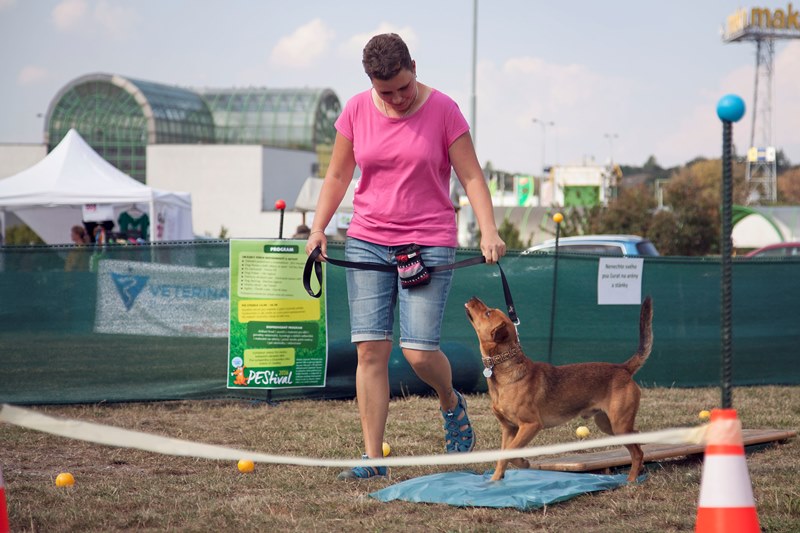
312	262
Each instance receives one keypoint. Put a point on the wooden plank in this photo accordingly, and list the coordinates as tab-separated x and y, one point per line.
586	462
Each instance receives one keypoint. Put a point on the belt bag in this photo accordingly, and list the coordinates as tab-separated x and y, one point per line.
410	268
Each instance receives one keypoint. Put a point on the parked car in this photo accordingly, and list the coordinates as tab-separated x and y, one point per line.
615	245
781	249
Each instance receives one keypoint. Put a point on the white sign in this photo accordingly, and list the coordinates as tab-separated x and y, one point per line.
136	298
619	281
97	212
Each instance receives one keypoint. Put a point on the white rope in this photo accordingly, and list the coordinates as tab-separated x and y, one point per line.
124	438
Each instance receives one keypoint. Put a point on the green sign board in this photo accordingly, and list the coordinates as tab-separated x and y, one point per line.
524	189
581	196
278	334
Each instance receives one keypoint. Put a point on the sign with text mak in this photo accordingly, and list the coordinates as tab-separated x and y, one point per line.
278	333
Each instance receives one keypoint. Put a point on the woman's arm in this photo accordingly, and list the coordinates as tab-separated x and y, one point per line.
337	179
468	170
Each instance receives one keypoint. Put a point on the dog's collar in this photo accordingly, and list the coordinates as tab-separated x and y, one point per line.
490	362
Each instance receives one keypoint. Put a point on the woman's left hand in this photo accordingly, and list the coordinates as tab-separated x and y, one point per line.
492	247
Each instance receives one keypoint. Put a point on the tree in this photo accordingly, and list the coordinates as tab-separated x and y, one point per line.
789	186
22	234
665	233
781	160
692	224
510	235
689	225
582	221
629	213
651	165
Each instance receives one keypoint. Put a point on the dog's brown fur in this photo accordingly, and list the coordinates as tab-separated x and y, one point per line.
530	396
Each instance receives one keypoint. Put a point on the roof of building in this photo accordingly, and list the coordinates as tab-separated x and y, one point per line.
119	116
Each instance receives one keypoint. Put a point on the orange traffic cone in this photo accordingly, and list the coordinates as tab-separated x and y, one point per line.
4	526
726	495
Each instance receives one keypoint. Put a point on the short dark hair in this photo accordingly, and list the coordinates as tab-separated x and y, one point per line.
385	56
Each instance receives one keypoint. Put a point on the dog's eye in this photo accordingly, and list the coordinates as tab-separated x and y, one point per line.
488	314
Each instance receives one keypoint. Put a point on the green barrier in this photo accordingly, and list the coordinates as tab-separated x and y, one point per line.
50	352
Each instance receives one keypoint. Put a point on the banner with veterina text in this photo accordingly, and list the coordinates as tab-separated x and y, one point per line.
138	298
278	332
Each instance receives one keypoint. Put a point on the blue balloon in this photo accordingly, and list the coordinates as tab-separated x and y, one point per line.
730	108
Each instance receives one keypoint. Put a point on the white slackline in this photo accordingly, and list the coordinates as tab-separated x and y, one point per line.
125	438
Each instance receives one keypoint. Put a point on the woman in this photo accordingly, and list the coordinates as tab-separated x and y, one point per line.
405	137
78	259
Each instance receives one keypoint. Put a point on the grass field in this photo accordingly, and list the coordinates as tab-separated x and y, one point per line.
119	489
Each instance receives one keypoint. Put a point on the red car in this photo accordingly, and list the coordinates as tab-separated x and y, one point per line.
781	249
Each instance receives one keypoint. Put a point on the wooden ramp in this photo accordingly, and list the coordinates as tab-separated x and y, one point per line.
604	460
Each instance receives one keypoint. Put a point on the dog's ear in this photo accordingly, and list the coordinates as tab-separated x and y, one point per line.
500	334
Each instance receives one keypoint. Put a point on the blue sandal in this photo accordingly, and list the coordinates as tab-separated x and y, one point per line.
459	436
363	472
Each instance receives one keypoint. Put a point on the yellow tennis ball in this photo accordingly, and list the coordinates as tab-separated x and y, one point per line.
558	218
704	415
65	479
386	449
582	432
246	465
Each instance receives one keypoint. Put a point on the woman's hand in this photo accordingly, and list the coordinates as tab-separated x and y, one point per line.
492	247
317	239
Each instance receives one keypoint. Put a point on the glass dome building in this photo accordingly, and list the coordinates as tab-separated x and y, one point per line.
286	118
120	116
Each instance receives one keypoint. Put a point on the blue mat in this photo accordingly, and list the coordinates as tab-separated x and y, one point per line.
520	489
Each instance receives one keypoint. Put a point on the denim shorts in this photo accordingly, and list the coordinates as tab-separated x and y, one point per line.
373	296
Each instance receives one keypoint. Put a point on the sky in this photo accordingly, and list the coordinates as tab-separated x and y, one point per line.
619	80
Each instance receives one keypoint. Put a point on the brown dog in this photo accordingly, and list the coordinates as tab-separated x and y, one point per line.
529	396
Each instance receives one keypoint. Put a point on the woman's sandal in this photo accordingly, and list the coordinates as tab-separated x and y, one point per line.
459	436
363	472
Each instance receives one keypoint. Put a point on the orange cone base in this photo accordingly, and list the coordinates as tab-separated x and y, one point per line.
727	519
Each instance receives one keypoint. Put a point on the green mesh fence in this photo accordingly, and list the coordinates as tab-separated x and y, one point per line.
52	349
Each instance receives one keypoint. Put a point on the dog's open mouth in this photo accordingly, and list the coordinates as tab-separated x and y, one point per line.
475	305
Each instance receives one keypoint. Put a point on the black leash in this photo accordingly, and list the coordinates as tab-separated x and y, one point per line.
312	263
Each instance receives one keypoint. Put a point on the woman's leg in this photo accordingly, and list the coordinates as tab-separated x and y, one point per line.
421	314
372	296
433	368
372	392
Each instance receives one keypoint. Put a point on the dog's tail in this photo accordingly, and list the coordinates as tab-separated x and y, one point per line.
645	337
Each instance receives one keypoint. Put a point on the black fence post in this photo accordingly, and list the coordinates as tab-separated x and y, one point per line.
558	218
730	109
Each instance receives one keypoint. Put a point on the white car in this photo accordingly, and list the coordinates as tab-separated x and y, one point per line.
614	245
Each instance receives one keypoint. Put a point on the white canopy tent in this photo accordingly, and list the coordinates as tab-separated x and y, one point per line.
50	196
754	227
309	194
307	202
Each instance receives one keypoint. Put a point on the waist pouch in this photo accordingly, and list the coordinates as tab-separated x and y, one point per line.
410	268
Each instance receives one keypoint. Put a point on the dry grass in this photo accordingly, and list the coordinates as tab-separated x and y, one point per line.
126	490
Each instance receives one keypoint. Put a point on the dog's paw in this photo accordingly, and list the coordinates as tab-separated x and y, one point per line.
519	462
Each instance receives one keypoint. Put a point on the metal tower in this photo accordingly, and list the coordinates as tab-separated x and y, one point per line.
761	161
762	26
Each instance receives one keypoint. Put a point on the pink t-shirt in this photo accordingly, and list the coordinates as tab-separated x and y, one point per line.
403	195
